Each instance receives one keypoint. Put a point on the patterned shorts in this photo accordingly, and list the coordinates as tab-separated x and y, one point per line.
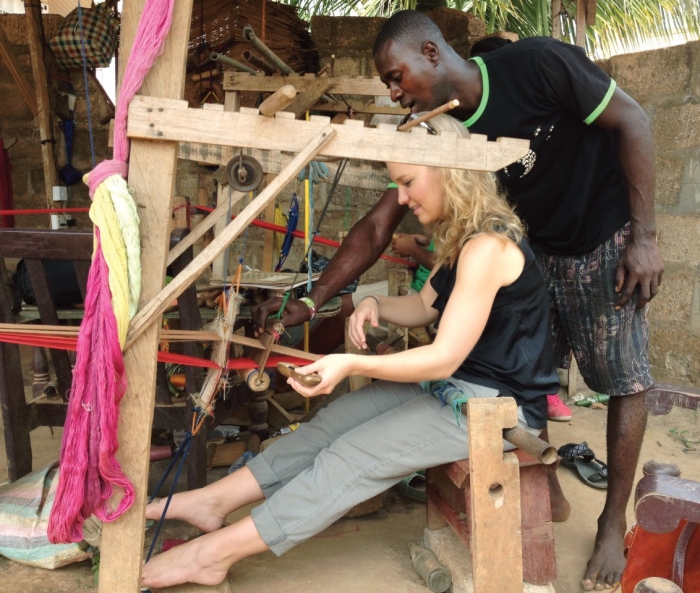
611	347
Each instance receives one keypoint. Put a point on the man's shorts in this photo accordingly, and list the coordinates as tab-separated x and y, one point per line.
611	347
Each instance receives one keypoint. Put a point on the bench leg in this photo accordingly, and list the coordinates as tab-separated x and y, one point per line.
539	561
15	413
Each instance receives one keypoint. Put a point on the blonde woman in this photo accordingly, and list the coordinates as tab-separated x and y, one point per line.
488	300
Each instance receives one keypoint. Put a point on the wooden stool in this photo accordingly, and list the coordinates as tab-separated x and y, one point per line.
449	503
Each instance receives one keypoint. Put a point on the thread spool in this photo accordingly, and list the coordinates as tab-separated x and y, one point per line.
436	576
255	380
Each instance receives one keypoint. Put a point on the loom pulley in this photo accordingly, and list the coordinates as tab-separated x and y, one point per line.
244	173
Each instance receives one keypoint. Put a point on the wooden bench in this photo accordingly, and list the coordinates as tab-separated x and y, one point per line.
663	499
21	417
449	503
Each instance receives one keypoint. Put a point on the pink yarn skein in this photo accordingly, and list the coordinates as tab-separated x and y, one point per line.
89	471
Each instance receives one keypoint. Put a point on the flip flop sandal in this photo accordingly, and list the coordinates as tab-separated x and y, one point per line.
290	370
582	460
413	486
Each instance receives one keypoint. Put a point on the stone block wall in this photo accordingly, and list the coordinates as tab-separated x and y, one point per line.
666	82
17	122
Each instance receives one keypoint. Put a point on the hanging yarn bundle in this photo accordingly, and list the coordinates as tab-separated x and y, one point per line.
89	470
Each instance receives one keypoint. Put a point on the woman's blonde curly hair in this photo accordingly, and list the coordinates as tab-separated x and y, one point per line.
474	204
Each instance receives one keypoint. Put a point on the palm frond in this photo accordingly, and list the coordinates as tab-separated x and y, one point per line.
621	25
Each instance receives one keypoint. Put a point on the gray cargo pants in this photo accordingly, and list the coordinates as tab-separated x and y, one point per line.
359	446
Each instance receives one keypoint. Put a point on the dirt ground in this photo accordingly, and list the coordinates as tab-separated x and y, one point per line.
370	554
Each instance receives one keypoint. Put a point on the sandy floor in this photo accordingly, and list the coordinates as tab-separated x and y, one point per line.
369	554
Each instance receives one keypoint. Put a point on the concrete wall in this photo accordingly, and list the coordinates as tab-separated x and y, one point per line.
17	122
666	83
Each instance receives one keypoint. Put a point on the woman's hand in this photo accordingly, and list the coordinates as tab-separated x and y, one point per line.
366	310
403	245
332	369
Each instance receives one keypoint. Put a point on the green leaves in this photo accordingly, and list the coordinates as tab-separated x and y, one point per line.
621	25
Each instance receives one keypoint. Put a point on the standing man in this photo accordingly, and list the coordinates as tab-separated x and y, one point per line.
586	193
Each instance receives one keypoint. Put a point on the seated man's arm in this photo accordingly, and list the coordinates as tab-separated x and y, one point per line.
364	244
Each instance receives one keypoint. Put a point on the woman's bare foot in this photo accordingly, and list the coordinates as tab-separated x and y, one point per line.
204	560
193	507
605	567
193	562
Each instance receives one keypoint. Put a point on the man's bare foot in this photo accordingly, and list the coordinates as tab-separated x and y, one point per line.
194	562
605	567
193	507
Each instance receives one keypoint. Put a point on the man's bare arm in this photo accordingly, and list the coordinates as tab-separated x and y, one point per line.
364	244
641	265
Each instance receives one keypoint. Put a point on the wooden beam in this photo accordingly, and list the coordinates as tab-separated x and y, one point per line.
35	33
221	211
159	119
152	177
26	88
495	497
371	109
149	313
245	83
310	95
356	174
278	101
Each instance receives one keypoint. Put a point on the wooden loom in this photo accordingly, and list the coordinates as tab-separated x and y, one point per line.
158	122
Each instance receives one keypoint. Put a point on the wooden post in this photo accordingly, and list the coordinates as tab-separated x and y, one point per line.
497	557
581	23
218	270
15	413
232	102
268	260
152	176
556	22
35	32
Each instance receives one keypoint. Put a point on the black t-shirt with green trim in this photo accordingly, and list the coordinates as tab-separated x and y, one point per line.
569	189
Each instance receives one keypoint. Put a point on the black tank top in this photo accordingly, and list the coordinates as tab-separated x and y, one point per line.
513	354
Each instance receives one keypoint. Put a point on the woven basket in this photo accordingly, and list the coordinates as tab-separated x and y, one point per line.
101	34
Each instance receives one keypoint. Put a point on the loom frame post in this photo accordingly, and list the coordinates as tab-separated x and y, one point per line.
152	176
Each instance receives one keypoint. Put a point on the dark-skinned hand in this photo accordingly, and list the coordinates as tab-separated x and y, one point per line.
295	313
640	267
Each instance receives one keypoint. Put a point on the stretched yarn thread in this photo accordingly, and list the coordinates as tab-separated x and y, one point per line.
90	473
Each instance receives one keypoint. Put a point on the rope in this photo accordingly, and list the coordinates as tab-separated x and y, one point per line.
181	453
85	82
